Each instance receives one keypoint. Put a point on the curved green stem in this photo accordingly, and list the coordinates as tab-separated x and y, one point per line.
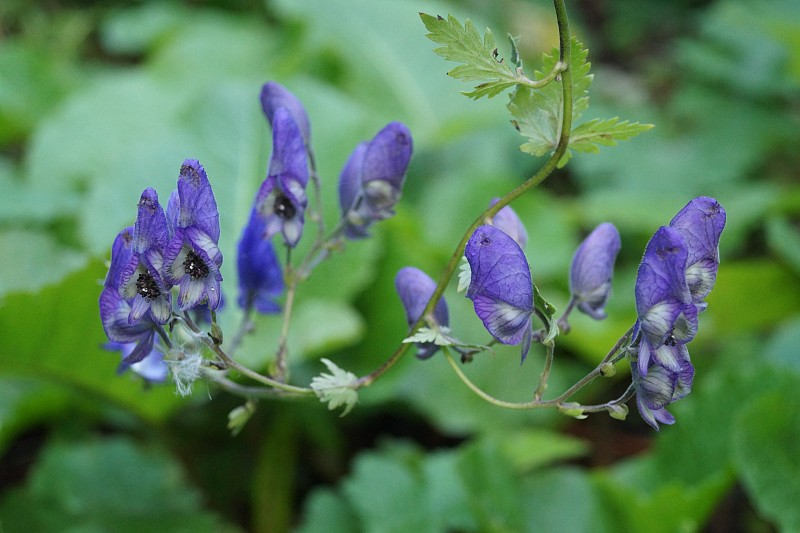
547	169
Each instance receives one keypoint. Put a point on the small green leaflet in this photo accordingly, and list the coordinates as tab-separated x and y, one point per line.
437	336
537	112
336	388
464	44
464	275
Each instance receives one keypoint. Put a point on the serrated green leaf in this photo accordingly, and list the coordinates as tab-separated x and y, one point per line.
464	44
537	112
589	136
336	388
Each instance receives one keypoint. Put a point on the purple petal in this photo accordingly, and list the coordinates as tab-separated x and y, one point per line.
198	207
701	223
415	288
289	155
386	160
350	192
509	223
260	273
592	269
274	96
150	230
120	256
500	288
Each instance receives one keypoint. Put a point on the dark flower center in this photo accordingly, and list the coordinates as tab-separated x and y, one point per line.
284	207
670	340
147	287
194	266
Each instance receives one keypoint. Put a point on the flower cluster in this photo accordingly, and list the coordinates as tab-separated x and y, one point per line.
168	263
677	272
162	250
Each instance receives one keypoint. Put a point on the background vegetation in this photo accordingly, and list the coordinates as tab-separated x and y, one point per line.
100	100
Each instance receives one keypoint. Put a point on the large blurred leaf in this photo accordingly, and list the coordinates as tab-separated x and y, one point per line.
32	259
106	485
767	452
55	335
562	500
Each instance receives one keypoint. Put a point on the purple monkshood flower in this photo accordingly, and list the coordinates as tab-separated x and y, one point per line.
701	223
667	318
500	287
659	388
141	282
592	268
372	179
274	96
137	338
415	288
152	367
192	258
509	223
260	273
281	201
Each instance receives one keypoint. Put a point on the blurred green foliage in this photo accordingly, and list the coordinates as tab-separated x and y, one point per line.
99	101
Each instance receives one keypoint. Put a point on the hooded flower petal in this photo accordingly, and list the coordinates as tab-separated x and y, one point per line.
372	180
260	273
141	281
509	223
196	203
666	314
192	258
275	96
701	223
500	288
415	288
281	201
138	337
592	269
660	387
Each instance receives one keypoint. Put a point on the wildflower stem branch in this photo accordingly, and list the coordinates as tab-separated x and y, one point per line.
565	51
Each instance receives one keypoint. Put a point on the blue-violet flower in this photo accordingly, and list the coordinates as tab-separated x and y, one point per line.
274	96
500	287
701	223
415	288
659	388
141	281
281	201
509	223
260	274
372	179
592	269
667	318
192	258
136	338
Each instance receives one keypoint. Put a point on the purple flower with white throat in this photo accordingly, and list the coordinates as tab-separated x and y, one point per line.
592	269
415	288
260	273
281	201
137	338
141	282
372	179
275	96
701	223
192	258
509	223
500	286
659	388
667	318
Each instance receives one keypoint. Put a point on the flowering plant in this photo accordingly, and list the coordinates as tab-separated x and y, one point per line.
164	282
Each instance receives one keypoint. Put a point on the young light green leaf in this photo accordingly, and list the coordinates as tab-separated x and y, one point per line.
481	62
589	136
546	312
464	275
336	388
438	336
537	112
